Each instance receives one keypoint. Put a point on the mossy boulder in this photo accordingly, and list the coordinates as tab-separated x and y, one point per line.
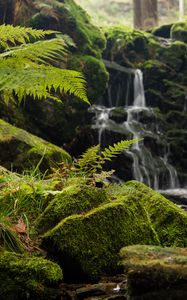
72	20
179	31
89	244
76	198
21	150
154	272
129	47
26	277
169	221
174	55
95	73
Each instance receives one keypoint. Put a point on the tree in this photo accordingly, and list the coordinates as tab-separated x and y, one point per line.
30	69
145	13
181	10
10	10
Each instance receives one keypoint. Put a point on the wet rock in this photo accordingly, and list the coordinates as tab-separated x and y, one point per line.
154	272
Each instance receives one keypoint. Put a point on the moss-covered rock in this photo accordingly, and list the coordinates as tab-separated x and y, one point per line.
74	21
129	47
89	244
169	221
76	198
155	272
94	71
179	31
24	277
20	149
173	55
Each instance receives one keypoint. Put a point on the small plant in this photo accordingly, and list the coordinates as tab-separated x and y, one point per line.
93	159
89	166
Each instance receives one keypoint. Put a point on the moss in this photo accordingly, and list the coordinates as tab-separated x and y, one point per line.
20	149
74	199
179	31
94	71
24	277
89	244
155	272
75	22
169	221
128	46
174	55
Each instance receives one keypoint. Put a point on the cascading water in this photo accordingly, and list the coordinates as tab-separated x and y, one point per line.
137	121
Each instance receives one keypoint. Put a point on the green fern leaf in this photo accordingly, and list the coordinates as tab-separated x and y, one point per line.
26	70
40	52
11	35
117	148
92	160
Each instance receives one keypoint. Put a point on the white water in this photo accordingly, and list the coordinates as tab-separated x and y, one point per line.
153	170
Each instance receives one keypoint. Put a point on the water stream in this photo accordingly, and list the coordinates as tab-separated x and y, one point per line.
134	119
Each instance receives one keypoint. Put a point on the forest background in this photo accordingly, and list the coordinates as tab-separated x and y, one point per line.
113	12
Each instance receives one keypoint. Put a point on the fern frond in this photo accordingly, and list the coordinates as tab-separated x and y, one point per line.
112	151
42	51
89	161
41	81
11	35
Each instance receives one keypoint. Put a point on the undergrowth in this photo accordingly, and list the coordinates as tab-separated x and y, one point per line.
24	197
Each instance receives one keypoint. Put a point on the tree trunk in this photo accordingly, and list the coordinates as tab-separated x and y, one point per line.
145	14
7	11
181	10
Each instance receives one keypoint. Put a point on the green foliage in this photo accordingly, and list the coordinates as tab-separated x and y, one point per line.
28	70
92	160
8	238
11	35
22	198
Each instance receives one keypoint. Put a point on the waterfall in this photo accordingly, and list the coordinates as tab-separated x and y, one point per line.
135	120
139	95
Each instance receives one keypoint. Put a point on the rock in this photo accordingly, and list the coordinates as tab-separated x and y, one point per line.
75	22
179	31
89	244
96	290
94	71
113	288
76	198
163	31
26	277
21	150
169	221
154	272
178	196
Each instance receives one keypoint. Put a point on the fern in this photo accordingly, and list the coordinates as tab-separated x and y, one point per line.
26	70
10	35
91	161
39	52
